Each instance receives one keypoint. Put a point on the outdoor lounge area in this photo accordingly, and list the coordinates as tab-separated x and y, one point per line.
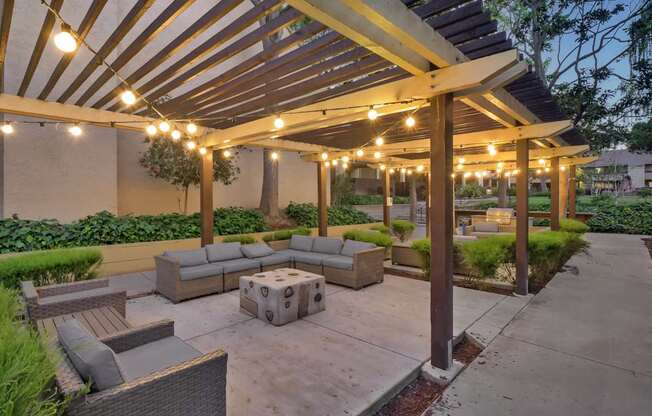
177	237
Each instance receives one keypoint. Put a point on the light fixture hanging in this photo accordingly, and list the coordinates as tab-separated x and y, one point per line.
7	128
461	161
547	170
324	156
176	134
562	168
345	165
128	97
226	153
372	114
420	168
391	171
467	174
410	121
202	150
453	175
345	159
538	171
191	145
359	153
377	155
64	40
460	166
327	163
542	162
164	126
274	156
492	149
334	162
278	122
150	130
409	172
191	128
379	141
75	130
403	170
382	167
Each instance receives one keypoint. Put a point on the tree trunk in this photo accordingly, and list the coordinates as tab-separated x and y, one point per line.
502	192
185	200
413	199
269	194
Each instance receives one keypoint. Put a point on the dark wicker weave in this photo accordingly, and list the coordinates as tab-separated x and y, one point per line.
37	309
193	388
170	285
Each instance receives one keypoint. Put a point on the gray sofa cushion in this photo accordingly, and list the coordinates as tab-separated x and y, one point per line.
223	251
351	246
486	227
274	259
327	245
339	262
310	258
301	243
253	251
238	265
199	272
82	294
92	359
187	258
158	355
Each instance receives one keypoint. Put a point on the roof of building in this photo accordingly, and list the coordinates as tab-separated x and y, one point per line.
621	158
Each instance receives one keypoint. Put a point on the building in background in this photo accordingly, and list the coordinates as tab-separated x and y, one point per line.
619	171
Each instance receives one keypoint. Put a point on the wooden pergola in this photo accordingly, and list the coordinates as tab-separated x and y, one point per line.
442	61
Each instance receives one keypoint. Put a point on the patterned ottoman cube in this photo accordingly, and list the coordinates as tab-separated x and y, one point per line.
283	295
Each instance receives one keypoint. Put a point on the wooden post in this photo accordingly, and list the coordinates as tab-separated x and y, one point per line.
572	190
554	194
428	204
322	208
386	197
441	235
522	160
206	198
563	192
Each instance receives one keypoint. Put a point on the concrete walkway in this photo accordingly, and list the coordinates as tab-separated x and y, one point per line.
583	346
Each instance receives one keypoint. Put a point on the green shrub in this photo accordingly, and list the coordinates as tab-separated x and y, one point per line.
471	190
644	192
305	214
379	239
381	228
50	267
242	239
26	367
634	218
403	229
573	226
238	221
286	234
422	247
485	256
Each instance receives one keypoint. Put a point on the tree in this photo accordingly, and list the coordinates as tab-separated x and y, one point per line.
342	189
413	198
170	161
578	49
640	137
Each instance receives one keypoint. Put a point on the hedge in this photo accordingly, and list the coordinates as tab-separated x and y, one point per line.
634	218
50	267
379	239
27	369
422	247
381	228
402	229
242	239
305	214
286	234
572	226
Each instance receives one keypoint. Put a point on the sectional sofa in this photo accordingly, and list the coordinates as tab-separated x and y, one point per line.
217	268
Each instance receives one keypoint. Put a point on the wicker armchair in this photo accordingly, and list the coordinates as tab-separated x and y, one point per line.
66	298
170	284
368	268
192	388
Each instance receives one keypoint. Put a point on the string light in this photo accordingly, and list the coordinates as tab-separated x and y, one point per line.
150	130
64	40
7	128
453	175
409	172
538	171
562	168
515	172
334	162
202	150
345	159
191	128
327	163
461	161
403	170
410	121
324	156
226	153
278	122
391	171
377	155
547	170
345	165
176	134
420	168
382	167
508	174
128	97
274	156
460	166
164	126
478	175
359	152
75	130
492	149
500	165
379	141
467	174
542	162
372	114
191	145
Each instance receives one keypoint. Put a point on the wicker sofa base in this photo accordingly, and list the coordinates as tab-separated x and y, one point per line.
232	280
286	265
310	268
350	278
178	291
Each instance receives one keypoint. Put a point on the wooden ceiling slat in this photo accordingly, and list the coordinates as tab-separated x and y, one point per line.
87	23
483	42
436	7
202	24
464	25
162	21
459	14
134	15
44	35
471	34
501	47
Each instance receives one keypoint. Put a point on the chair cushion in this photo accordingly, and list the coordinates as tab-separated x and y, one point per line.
253	251
187	258
223	251
92	359
82	294
158	355
199	272
301	242
238	265
339	262
351	247
327	245
486	227
310	258
273	259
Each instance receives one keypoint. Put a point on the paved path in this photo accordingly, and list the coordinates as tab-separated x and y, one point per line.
583	346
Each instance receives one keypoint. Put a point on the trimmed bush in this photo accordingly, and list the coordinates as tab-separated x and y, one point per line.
379	239
238	221
485	256
403	229
422	247
26	367
572	226
305	214
242	239
381	228
50	267
471	190
634	218
286	234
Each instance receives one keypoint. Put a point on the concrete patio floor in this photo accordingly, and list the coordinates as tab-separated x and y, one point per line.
583	345
344	361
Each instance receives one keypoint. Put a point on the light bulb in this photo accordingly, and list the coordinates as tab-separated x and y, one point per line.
460	166
453	175
324	156
547	170
191	128
538	171
176	134
461	161
345	159
372	114
150	130
391	171
478	175
410	121
202	151
274	156
508	174
377	155
492	150
164	126
191	145
75	130
515	172
500	165
65	41
467	174
7	128
327	163
279	123
403	170
226	153
409	171
345	165
382	167
379	141
359	153
542	162
420	168
562	168
128	97
335	162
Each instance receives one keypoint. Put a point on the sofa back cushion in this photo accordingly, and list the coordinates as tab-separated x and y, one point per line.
486	227
223	251
301	242
92	359
187	258
327	245
351	247
256	250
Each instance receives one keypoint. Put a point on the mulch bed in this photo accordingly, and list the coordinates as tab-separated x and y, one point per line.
648	243
414	399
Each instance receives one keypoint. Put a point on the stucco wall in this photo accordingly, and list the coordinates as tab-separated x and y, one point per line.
637	174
